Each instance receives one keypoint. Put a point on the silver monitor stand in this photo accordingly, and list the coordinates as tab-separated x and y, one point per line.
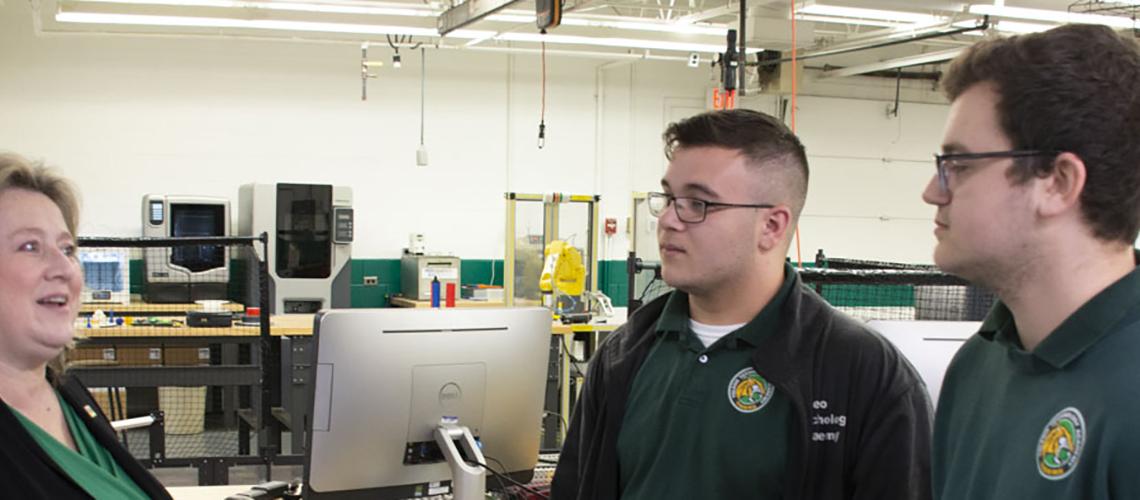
468	482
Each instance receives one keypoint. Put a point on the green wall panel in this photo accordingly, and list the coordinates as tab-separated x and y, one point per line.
479	271
611	281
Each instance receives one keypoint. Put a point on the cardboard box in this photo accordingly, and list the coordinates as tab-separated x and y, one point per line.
92	356
186	355
139	355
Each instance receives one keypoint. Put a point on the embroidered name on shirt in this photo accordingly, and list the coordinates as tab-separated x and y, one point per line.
822	424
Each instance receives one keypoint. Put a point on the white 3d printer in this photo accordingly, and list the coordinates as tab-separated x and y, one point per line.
310	228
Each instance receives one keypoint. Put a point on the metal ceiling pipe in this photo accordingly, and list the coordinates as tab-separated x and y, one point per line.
901	62
984	25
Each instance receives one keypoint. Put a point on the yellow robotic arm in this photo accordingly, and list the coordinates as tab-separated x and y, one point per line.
563	270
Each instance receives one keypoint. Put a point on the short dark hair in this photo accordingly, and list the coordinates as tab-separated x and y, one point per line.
760	137
1074	88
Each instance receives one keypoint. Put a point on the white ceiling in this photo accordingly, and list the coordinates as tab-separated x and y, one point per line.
646	28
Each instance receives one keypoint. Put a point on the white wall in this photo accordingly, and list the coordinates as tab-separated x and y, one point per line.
128	115
864	200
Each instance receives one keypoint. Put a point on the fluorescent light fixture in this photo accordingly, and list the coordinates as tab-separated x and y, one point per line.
686	29
1006	26
897	33
1054	16
265	24
510	18
874	14
410	11
845	20
1020	27
664	27
476	41
425	11
723	10
625	43
369	29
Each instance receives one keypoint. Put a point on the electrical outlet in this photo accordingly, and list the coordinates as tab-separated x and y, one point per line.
371	280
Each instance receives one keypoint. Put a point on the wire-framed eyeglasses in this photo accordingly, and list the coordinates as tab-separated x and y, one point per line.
691	210
948	164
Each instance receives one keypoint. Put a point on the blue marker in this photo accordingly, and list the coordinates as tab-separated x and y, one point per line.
435	292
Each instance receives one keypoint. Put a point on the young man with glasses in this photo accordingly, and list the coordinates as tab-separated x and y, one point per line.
1038	198
742	383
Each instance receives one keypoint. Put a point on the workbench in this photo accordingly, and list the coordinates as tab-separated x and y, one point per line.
400	301
575	341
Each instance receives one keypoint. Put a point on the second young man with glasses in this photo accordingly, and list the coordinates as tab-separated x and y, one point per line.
1037	197
742	383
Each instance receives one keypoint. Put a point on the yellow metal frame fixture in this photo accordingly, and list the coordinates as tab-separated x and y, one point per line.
551	203
638	198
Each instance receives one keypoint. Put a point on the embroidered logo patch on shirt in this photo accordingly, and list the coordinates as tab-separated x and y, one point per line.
1059	448
749	392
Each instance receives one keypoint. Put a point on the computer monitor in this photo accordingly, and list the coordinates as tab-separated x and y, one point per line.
386	379
928	345
106	275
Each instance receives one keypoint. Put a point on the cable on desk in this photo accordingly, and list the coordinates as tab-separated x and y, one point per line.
508	478
502	487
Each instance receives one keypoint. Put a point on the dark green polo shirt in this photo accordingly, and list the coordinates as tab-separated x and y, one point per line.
701	422
1058	422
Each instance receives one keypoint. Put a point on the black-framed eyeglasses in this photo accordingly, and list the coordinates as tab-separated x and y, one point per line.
690	210
947	164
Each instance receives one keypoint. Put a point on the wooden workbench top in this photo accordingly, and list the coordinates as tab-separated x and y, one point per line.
279	325
398	301
145	307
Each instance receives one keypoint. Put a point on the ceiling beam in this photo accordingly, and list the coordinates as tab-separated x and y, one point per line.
901	62
724	10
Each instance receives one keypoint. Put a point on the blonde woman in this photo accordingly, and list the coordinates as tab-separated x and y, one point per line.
56	443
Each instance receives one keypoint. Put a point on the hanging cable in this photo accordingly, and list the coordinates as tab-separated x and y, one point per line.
399	40
421	151
364	71
542	114
396	43
423	78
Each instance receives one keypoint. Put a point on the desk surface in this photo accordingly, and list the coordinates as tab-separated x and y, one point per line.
561	329
144	307
279	325
406	302
205	492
